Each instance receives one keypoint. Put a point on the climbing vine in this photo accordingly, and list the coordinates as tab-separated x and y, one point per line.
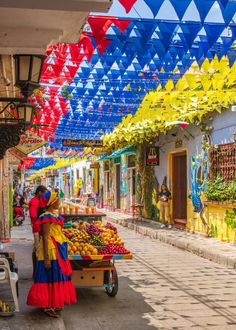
147	186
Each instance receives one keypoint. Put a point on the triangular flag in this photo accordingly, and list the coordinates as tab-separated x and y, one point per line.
154	5
203	8
213	32
190	31
180	7
166	32
128	4
228	11
224	2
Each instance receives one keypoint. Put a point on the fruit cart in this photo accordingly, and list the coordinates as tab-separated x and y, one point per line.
96	216
93	249
97	271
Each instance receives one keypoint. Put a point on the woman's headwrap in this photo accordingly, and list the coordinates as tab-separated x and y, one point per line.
50	198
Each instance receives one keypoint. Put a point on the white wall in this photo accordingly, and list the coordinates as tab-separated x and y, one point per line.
167	145
78	166
224	125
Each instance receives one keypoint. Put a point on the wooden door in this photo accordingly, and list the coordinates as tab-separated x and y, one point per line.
118	186
179	188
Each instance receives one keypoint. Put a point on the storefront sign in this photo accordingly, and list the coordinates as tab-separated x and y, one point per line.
16	153
94	165
82	143
29	143
152	156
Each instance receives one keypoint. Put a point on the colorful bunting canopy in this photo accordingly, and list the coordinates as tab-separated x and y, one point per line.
198	93
90	86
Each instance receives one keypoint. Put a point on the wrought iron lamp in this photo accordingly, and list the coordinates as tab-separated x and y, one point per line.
17	112
28	70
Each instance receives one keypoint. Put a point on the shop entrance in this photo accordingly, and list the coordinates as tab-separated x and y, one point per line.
131	188
107	185
179	188
117	201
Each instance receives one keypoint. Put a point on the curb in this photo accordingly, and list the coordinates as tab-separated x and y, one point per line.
187	244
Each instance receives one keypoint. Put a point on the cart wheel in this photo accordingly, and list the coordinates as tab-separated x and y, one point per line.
112	289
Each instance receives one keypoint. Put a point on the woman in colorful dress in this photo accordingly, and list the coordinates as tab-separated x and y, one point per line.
52	288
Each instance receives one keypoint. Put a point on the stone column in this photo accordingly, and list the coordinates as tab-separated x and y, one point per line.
4	199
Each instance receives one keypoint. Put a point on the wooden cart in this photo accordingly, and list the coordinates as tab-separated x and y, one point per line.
96	271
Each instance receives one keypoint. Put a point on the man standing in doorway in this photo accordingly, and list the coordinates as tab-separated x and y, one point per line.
35	210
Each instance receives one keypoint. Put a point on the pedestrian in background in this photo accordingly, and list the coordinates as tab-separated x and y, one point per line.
164	197
35	210
61	195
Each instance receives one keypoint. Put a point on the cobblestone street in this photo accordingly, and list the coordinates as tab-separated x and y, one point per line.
163	287
185	291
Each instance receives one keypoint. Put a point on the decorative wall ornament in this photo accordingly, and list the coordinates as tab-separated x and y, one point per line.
199	174
9	137
178	143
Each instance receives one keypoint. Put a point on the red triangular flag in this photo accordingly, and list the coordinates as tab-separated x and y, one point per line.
127	4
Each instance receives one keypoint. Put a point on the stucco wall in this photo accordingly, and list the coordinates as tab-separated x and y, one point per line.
167	146
224	125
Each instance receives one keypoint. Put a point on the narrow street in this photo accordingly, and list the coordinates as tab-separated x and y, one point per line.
161	288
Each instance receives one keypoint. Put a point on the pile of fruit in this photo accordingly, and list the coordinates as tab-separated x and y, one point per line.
113	249
93	239
82	249
5	308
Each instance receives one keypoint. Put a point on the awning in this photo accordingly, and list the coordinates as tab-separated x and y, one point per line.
130	150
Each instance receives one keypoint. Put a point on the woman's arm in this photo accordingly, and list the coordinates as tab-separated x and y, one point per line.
45	232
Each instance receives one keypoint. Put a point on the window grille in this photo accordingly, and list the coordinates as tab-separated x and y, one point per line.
223	161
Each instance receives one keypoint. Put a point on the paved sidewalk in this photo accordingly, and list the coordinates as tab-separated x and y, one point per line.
220	252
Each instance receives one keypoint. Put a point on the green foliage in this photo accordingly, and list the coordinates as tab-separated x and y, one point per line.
231	219
220	190
146	186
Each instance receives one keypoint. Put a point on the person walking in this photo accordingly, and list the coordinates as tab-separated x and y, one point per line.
52	288
164	197
35	208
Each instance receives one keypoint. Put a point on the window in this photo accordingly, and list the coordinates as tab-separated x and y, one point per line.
131	161
107	165
223	161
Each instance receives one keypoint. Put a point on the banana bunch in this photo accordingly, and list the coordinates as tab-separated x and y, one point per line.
5	308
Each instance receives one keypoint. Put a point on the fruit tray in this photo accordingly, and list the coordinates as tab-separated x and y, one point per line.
102	257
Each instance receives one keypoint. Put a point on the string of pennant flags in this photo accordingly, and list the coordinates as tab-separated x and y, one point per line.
89	86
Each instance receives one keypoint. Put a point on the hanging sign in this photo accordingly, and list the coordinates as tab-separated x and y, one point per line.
82	143
29	142
152	156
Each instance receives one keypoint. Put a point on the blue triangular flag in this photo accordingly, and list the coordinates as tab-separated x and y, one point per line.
180	7
203	8
190	31
213	32
154	5
228	11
